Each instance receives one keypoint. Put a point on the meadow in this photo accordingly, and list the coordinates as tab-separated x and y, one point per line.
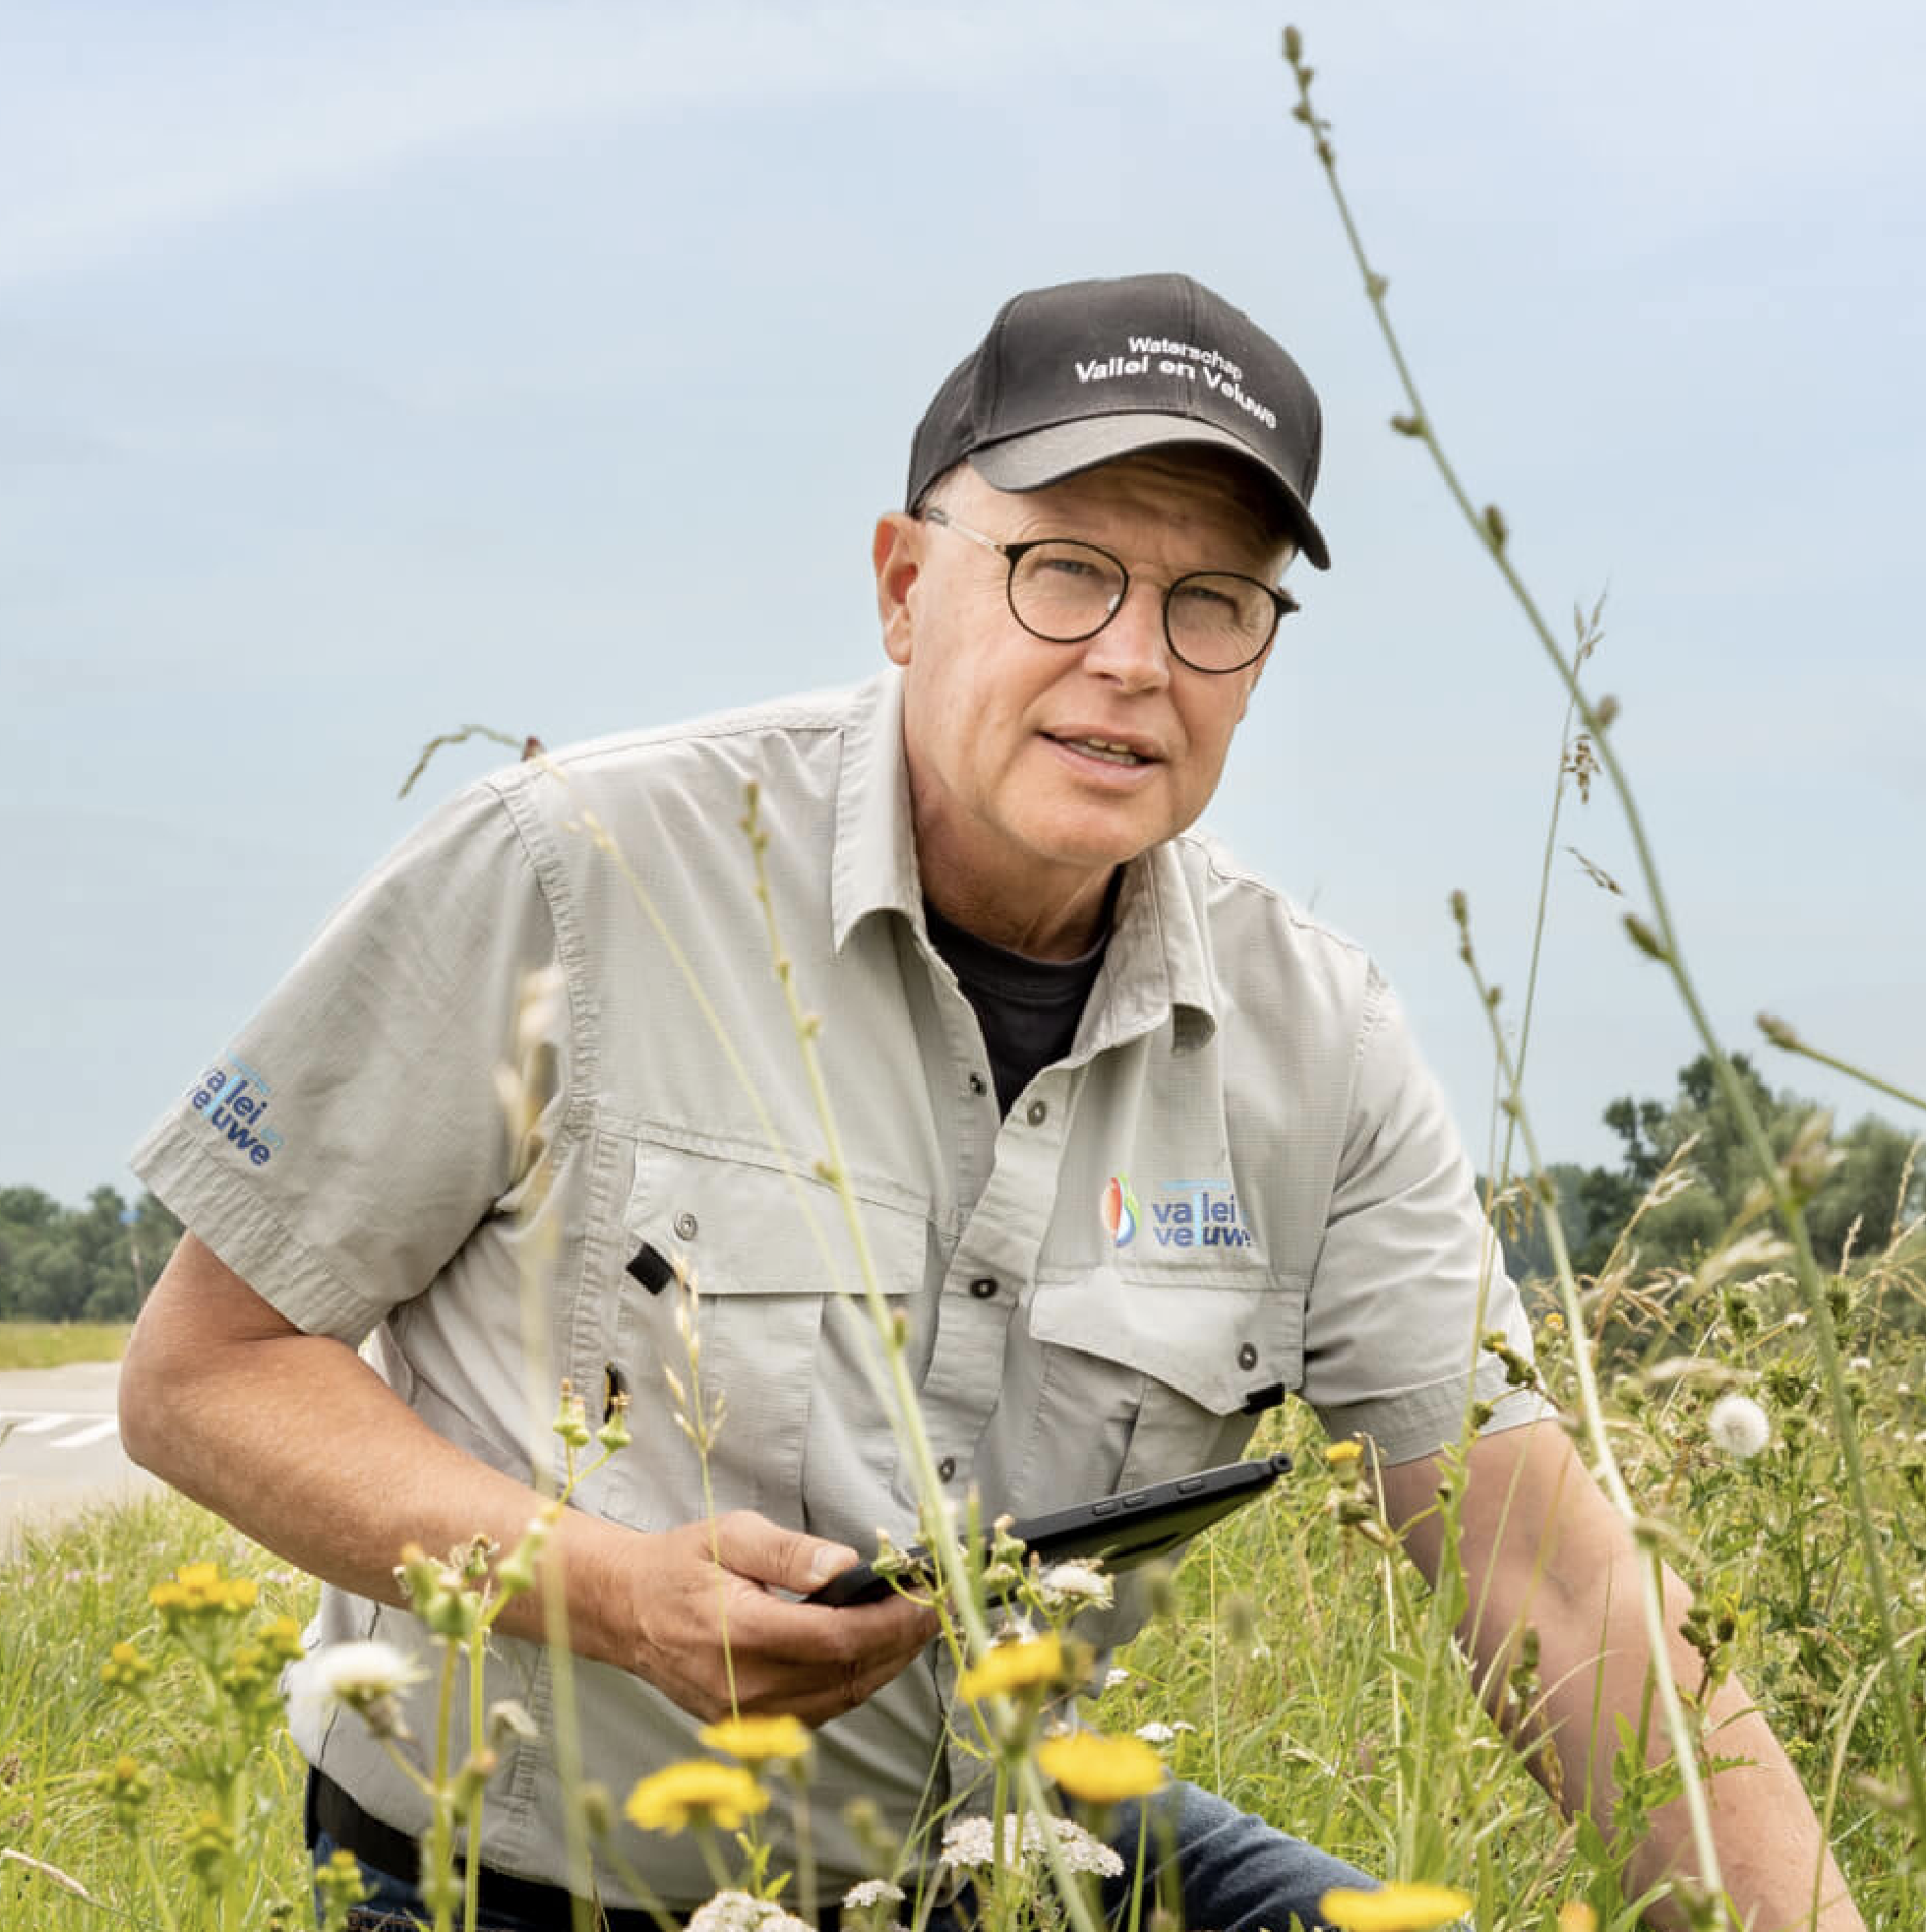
1295	1667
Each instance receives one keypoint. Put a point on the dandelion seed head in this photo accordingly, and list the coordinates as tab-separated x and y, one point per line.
1737	1425
1074	1586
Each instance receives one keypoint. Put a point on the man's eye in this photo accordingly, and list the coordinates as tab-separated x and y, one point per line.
1207	601
1069	570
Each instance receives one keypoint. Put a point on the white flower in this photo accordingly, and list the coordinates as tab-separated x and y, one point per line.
1074	1586
367	1677
968	1844
1161	1734
1862	1363
1738	1425
1797	1320
738	1912
871	1892
1115	1677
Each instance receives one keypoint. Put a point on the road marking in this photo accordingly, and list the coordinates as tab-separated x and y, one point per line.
95	1431
44	1424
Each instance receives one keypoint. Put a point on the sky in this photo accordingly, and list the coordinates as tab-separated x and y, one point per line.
372	370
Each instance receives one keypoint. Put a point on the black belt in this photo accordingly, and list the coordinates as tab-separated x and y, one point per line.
332	1810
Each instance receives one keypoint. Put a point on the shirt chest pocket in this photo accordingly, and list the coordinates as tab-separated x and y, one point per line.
752	1368
1180	1367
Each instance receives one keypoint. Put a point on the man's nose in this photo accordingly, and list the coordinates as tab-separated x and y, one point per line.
1131	647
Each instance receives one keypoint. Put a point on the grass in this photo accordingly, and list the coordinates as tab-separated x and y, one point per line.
53	1344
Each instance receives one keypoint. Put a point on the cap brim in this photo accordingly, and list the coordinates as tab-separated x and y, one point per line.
1042	457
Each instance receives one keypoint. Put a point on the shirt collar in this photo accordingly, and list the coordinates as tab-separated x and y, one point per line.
1158	963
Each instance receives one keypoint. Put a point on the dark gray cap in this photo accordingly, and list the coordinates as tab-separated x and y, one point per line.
1083	373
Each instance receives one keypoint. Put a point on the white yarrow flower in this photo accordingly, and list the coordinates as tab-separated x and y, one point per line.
738	1911
1738	1425
1115	1677
968	1844
871	1892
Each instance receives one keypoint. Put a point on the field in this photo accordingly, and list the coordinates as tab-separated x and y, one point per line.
52	1344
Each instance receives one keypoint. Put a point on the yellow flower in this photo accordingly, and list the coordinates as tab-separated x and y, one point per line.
1341	1454
1035	1662
696	1789
198	1587
1395	1908
1101	1770
1575	1915
755	1740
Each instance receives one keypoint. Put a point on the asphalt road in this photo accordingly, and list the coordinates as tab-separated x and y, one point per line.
59	1445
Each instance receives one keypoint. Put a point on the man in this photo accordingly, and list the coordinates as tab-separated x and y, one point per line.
1040	992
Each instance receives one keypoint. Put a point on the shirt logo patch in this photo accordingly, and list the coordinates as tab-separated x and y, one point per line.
232	1097
1197	1214
1122	1213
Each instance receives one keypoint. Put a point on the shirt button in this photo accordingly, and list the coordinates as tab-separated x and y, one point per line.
1247	1356
977	1085
1038	1114
686	1226
946	1468
984	1288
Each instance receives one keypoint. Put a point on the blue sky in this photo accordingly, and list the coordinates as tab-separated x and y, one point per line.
369	370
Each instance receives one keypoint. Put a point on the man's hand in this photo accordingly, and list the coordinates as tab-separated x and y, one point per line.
701	1591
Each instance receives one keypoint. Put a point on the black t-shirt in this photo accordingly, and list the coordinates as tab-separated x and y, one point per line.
1028	1009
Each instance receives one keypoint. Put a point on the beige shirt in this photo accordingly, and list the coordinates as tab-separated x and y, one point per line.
1240	1181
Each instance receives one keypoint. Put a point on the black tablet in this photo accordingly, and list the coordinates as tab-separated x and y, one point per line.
1123	1531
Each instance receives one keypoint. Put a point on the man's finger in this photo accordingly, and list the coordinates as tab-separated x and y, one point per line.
788	1560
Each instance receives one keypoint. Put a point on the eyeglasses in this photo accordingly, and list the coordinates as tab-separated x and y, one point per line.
1064	591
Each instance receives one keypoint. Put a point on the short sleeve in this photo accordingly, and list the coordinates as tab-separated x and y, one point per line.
1409	1275
352	1135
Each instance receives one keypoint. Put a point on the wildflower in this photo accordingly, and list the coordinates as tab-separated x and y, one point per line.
125	1785
197	1588
1115	1677
125	1668
871	1892
695	1790
1575	1915
1393	1908
741	1911
367	1677
970	1843
1159	1734
1074	1586
1340	1454
1034	1664
757	1740
1737	1425
1101	1770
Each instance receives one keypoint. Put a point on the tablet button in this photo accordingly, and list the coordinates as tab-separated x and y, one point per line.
1107	1507
1135	1500
1189	1485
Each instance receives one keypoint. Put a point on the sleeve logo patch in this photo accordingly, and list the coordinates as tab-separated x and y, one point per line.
231	1098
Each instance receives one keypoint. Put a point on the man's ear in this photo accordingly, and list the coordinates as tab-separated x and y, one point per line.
897	554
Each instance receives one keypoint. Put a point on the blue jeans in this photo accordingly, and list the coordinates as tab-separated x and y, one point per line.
1231	1872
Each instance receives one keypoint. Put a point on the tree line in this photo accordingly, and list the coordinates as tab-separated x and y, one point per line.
97	1262
90	1263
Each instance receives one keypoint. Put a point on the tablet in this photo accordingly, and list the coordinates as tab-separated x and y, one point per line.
1122	1531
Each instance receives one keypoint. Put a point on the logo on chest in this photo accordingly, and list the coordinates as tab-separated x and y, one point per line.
1182	1214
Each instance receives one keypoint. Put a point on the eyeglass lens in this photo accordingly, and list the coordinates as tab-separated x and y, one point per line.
1066	590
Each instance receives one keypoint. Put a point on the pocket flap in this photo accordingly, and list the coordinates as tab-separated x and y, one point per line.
1226	1349
747	1228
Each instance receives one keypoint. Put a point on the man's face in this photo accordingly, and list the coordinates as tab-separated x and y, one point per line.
1037	768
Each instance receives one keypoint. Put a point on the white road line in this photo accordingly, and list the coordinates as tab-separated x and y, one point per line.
94	1431
43	1424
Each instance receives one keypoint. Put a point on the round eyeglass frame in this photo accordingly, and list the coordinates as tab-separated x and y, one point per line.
1283	603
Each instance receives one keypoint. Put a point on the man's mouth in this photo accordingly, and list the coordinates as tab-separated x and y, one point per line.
1107	748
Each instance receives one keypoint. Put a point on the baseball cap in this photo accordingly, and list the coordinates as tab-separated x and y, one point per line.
1085	372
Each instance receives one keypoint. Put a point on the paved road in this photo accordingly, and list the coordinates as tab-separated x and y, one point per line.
59	1445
